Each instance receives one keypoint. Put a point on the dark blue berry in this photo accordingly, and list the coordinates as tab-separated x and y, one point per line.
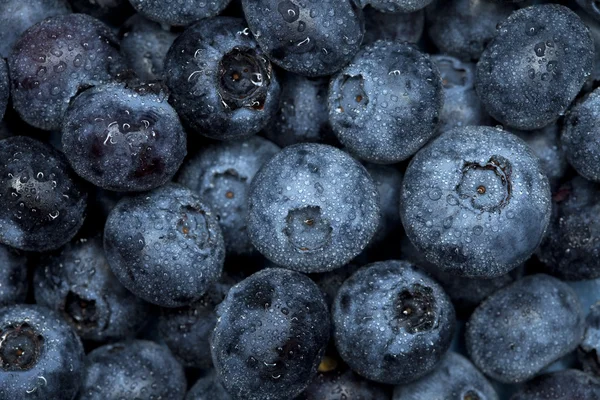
78	283
272	330
42	204
342	384
395	6
534	67
454	378
165	246
125	139
4	87
392	322
475	202
41	357
136	369
221	174
13	277
563	385
54	60
309	38
312	208
386	104
181	12
222	85
402	27
208	388
524	327
589	349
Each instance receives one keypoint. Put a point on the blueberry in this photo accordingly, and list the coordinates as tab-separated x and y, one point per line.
13	277
303	115
594	27
221	175
475	202
4	87
570	249
342	384
535	66
524	327
222	85
54	60
589	349
591	7
314	38
18	15
208	388
392	323
545	143
179	13
387	103
463	28
403	27
113	12
136	369
42	204
454	378
312	208
186	330
462	106
330	282
388	180
144	46
78	283
41	357
579	137
123	139
165	246
395	6
272	330
562	385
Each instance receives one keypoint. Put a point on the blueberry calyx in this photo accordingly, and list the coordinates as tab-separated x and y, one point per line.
81	311
414	309
20	347
306	229
488	185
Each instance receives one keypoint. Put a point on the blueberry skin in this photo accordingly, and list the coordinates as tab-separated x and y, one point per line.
208	388
591	7
221	174
579	137
41	357
463	28
462	106
165	246
589	349
340	384
272	331
303	115
562	385
51	217
78	283
179	13
123	139
524	327
221	83
18	15
395	6
594	27
454	378
475	202
402	27
13	277
137	369
4	87
525	77
38	64
312	208
570	249
186	331
392	322
307	38
144	45
386	104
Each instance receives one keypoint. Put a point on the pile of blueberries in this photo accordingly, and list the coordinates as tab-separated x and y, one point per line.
300	200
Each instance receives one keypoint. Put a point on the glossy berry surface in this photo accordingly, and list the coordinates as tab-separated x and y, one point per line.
341	383
4	87
42	204
123	139
179	13
165	246
392	323
475	202
563	385
271	333
312	208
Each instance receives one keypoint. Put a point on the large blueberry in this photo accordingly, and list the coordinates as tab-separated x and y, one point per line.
534	67
475	202
386	104
165	246
392	322
272	331
222	85
312	208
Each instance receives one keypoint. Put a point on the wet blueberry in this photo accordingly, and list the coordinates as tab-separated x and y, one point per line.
179	13
562	385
